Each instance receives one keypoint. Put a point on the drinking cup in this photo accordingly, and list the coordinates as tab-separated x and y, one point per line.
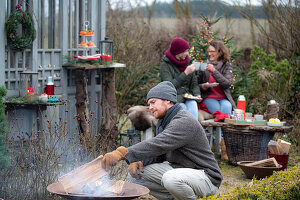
258	117
200	66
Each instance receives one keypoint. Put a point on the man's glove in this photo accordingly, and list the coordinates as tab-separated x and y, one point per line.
112	158
133	167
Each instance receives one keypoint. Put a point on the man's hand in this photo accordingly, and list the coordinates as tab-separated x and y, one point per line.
133	167
112	158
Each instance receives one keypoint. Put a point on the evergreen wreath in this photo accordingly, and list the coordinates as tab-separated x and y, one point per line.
25	19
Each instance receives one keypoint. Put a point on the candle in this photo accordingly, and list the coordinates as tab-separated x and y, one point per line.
106	58
29	91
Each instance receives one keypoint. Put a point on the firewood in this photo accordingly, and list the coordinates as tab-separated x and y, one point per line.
89	172
285	146
273	147
270	162
116	188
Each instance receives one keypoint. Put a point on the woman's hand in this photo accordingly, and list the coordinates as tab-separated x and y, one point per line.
203	86
210	68
189	69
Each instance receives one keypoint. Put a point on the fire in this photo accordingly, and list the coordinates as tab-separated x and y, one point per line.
99	183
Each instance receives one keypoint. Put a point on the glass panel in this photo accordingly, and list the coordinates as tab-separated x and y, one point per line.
49	23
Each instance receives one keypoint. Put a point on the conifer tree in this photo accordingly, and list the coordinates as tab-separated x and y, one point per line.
201	41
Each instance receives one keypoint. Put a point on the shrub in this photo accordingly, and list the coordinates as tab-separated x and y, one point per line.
267	77
4	158
138	46
281	185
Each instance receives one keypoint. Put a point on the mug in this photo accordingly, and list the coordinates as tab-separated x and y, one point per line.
200	66
258	117
239	114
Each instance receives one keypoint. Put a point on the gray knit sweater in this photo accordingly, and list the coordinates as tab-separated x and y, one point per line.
185	144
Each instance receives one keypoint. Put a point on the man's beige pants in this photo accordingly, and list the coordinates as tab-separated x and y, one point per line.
166	182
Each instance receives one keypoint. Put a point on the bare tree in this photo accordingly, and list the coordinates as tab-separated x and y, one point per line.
182	9
247	12
150	9
283	31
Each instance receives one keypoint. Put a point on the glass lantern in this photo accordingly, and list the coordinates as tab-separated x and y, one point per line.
28	84
106	50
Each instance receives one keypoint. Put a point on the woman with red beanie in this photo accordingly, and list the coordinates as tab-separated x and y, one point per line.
176	67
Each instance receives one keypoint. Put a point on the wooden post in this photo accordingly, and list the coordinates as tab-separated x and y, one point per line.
109	131
82	107
2	46
108	136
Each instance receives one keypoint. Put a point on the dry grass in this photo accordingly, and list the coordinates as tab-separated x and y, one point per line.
239	28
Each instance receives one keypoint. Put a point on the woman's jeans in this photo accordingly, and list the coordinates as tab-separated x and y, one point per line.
167	183
191	106
222	105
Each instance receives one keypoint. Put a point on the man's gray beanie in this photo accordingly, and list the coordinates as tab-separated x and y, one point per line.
164	90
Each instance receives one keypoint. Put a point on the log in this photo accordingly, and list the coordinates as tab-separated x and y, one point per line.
116	188
285	146
109	131
82	107
73	181
270	162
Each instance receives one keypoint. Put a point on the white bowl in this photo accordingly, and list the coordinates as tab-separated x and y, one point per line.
275	124
43	98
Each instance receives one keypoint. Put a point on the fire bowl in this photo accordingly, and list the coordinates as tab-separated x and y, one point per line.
130	191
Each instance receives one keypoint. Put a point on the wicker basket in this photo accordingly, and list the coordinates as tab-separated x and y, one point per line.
246	145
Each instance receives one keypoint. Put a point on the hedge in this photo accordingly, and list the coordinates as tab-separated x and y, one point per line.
281	185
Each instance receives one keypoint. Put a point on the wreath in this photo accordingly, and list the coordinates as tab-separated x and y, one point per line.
25	19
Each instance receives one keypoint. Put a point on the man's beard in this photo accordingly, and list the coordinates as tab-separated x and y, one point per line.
159	115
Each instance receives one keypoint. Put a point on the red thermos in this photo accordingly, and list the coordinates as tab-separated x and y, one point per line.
241	104
49	89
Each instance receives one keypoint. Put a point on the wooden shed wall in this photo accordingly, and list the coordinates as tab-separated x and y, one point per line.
58	23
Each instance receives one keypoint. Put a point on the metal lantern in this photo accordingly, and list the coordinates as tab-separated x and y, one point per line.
28	83
106	50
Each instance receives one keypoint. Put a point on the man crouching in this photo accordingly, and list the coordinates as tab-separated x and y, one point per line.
178	162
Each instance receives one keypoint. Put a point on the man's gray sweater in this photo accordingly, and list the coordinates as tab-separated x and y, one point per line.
185	144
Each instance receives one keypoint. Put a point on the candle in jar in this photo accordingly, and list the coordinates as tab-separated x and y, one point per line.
29	91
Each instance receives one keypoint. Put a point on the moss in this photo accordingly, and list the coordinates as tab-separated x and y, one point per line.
281	185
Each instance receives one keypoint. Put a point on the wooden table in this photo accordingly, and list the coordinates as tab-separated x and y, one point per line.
246	142
109	131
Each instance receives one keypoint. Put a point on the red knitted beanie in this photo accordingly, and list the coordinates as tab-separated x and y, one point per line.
178	45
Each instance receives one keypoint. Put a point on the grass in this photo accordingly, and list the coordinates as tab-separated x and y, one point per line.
239	28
